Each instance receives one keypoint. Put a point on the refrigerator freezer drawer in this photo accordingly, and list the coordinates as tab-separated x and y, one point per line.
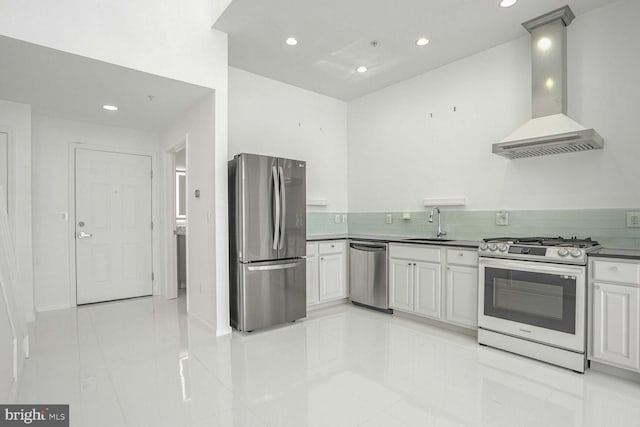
269	293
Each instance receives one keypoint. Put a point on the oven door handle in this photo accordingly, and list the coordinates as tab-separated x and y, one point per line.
533	267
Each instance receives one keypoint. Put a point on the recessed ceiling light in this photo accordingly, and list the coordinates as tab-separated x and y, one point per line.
291	41
361	69
507	3
110	107
423	41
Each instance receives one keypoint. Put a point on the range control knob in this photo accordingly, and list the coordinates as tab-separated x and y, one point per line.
493	247
576	253
484	246
563	252
502	247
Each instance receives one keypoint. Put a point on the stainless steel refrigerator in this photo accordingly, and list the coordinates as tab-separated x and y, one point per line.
267	241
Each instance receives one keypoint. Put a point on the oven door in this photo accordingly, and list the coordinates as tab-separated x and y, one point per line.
537	301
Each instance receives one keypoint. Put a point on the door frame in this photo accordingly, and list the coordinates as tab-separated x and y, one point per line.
171	261
73	283
10	190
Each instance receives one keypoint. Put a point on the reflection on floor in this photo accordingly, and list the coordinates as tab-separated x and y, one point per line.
145	363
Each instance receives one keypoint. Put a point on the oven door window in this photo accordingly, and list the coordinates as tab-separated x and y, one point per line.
538	299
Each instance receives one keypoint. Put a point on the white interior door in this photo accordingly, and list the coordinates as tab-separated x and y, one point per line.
113	226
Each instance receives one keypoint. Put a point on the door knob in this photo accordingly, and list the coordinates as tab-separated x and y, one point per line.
83	235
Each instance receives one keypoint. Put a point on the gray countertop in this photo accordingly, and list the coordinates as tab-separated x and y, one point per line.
617	253
604	252
396	239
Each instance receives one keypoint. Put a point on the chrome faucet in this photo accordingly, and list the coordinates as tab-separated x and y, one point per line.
441	232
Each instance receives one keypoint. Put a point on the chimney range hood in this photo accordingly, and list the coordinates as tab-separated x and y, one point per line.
550	131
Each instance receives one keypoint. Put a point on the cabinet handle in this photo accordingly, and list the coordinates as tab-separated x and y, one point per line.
460	254
321	258
333	246
614	268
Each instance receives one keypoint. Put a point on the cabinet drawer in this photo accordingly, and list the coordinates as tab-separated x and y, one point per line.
460	257
333	247
611	271
312	249
418	253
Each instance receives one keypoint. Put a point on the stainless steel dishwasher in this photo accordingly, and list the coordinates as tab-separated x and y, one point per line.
368	274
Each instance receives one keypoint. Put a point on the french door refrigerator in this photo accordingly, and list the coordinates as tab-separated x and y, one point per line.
267	241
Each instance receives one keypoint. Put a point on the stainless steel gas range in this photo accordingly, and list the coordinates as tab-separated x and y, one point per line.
532	297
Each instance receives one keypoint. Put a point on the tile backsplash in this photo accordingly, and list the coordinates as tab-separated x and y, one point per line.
608	226
325	223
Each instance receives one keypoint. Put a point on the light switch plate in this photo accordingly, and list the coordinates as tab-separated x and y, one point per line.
502	218
388	219
633	219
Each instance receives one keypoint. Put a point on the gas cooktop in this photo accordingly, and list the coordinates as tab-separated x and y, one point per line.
546	241
547	249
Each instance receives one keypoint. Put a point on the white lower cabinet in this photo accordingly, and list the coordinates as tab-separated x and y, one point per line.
326	271
313	291
428	287
417	284
462	295
615	312
401	284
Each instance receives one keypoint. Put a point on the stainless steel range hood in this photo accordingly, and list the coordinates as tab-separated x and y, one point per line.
550	131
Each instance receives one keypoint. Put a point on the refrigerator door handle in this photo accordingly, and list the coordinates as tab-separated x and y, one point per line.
273	267
276	219
283	211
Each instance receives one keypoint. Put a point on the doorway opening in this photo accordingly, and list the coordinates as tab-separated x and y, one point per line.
177	230
181	220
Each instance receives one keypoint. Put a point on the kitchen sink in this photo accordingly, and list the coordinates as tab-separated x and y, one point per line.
426	239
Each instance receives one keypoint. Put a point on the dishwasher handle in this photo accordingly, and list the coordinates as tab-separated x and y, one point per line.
368	248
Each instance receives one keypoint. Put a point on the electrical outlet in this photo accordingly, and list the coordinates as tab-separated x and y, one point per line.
388	218
502	218
336	219
633	219
344	218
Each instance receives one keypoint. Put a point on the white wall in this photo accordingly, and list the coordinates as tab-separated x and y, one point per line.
274	118
399	155
171	38
15	118
197	125
52	171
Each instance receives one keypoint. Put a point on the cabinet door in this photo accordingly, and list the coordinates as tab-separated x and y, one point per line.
332	277
313	295
427	289
462	295
400	284
615	324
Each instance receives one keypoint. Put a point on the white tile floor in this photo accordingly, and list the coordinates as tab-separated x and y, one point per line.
144	363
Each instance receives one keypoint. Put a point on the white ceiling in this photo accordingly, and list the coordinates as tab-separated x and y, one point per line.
73	87
335	37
